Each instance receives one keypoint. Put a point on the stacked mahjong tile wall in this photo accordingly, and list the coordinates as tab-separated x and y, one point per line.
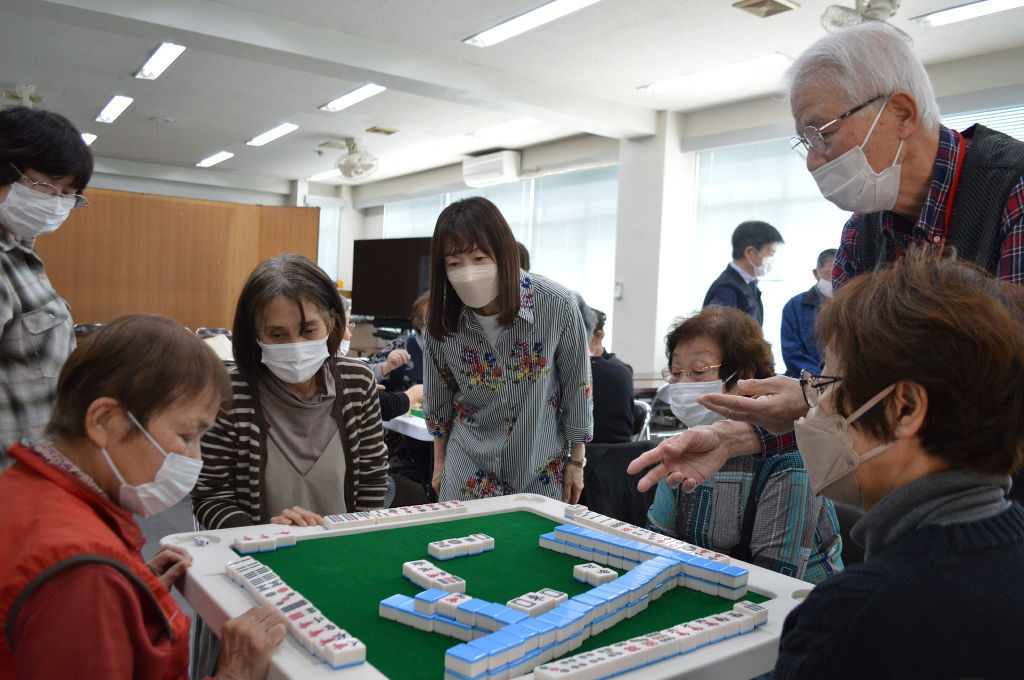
346	577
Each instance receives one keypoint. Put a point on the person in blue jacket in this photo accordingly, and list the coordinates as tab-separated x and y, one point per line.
799	348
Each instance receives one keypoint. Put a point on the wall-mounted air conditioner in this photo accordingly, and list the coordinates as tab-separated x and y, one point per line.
493	168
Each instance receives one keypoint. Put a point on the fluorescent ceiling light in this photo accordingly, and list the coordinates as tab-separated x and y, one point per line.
965	12
114	108
161	59
767	67
88	138
507	128
272	134
354	97
321	176
218	157
527	22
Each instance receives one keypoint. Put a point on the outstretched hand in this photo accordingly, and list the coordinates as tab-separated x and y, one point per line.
772	403
690	458
686	459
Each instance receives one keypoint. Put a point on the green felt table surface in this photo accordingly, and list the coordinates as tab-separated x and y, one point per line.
347	576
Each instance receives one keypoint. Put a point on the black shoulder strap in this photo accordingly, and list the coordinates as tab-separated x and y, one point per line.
72	561
992	167
742	550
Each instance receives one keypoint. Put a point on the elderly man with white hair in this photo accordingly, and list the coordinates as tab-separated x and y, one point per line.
868	124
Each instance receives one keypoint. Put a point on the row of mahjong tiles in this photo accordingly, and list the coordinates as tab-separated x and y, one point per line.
346	576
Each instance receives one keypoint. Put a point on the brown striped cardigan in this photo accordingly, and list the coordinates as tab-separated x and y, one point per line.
230	488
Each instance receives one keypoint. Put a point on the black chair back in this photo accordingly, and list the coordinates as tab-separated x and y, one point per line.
608	489
641	420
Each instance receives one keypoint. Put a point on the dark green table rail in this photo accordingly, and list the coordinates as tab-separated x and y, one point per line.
346	577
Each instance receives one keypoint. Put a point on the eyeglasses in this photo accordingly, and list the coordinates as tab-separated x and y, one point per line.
77	200
669	375
813	138
351	325
814	386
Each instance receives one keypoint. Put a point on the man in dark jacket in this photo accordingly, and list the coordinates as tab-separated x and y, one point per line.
753	247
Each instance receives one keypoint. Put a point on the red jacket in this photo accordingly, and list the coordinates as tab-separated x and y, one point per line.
76	598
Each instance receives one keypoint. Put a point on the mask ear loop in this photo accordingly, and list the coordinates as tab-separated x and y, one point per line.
870	403
878	117
145	433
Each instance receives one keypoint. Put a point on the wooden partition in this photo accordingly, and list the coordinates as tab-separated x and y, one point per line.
182	258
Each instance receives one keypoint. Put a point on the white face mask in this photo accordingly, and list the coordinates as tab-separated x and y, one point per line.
682	399
824	287
174	480
343	347
851	184
761	270
827	449
476	284
295	362
27	213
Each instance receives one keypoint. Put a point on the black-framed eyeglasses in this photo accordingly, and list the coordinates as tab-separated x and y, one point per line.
670	375
77	200
813	138
814	386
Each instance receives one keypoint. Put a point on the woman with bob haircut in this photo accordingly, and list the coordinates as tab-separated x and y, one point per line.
44	167
763	510
76	598
303	437
918	418
507	391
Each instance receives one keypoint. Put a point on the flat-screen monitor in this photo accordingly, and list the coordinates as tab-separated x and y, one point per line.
388	274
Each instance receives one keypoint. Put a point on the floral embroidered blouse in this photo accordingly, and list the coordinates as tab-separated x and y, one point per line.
511	411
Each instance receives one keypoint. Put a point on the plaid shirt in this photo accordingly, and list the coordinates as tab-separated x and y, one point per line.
931	222
36	337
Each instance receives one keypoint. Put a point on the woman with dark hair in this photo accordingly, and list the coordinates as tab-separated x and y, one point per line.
303	437
919	419
76	598
44	167
761	511
507	379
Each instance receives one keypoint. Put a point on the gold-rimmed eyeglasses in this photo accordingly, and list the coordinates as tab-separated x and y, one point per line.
813	138
678	374
814	386
77	200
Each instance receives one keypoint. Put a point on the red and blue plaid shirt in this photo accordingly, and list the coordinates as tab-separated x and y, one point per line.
928	228
930	224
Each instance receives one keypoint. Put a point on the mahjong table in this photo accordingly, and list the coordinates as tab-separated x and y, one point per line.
346	572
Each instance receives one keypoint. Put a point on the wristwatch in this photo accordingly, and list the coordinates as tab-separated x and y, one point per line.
578	463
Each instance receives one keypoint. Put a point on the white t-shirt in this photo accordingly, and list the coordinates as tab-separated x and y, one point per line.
491	327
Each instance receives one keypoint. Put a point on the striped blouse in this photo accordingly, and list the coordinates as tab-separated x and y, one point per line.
230	488
511	411
796	532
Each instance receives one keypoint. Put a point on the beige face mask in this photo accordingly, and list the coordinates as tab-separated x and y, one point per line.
476	285
827	449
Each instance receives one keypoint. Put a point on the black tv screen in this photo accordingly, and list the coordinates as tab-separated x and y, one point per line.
388	274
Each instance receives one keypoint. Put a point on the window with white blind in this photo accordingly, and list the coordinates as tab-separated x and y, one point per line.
566	221
763	181
1008	120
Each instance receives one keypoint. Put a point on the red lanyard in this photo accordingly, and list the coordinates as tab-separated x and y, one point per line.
940	239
